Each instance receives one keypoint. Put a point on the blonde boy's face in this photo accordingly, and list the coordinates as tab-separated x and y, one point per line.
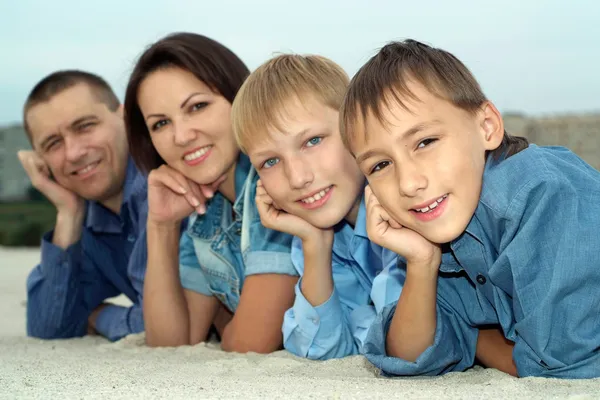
426	167
305	167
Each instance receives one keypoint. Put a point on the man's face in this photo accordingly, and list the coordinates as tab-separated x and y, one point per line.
83	143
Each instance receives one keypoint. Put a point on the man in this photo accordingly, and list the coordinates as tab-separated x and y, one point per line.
97	248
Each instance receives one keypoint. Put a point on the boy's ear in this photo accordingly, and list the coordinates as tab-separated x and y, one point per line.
492	126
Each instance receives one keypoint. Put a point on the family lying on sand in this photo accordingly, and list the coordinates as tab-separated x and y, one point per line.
390	215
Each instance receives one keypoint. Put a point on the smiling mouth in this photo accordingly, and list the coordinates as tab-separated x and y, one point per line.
316	197
430	207
190	157
88	168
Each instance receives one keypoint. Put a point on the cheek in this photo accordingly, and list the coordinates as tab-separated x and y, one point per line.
275	186
161	144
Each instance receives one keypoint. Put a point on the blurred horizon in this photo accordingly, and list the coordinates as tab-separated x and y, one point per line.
534	58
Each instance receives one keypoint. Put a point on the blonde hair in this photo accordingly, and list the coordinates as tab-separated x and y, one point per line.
261	101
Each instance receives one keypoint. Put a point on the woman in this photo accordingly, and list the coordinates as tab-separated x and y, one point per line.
177	107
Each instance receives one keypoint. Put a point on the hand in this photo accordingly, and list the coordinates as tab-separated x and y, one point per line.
273	217
172	197
65	201
387	232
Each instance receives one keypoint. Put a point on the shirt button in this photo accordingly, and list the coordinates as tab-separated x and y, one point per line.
315	320
131	238
481	279
238	231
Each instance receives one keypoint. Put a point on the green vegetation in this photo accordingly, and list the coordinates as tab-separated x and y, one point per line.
24	223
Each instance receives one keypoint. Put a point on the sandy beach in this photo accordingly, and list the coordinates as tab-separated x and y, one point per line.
91	367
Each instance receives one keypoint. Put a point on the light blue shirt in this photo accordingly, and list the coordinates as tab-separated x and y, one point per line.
228	243
527	261
337	328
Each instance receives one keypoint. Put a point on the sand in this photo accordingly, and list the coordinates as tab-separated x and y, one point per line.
91	367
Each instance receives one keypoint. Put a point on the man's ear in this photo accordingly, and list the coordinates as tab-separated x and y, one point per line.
492	126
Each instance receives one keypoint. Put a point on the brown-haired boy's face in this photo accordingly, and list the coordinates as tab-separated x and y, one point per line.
83	143
305	167
426	166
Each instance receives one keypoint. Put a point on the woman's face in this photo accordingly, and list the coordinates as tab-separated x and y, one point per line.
189	124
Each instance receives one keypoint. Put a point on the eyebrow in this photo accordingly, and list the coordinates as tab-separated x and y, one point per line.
403	136
181	106
81	120
72	126
44	142
267	153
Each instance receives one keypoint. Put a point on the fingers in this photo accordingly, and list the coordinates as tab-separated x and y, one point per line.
35	167
177	183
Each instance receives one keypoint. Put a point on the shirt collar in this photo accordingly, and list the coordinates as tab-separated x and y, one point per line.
100	218
242	172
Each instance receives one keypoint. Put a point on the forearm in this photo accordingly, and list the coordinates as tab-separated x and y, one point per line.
68	228
55	303
165	308
317	281
495	351
413	326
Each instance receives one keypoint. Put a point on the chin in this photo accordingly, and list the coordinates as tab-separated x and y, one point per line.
324	221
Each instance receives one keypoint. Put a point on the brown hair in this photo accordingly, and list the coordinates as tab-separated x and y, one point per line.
263	97
385	77
209	61
60	81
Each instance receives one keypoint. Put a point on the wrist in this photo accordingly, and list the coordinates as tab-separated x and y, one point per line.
423	269
67	229
318	239
162	226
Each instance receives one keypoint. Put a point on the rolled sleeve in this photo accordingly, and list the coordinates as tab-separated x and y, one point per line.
319	332
269	262
55	305
267	251
450	351
190	274
115	322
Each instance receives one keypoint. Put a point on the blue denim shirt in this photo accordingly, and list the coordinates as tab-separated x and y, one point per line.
528	261
337	328
109	260
226	244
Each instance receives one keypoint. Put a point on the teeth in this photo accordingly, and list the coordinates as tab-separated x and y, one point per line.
86	169
197	154
316	197
432	205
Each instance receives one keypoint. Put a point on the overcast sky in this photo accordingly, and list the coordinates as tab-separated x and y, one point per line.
533	56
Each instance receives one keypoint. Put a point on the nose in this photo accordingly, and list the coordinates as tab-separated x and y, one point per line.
184	134
299	173
411	179
75	149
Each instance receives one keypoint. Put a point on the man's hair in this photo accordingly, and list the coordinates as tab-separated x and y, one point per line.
59	81
263	97
208	60
386	76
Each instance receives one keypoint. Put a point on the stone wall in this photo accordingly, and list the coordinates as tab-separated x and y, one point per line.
580	133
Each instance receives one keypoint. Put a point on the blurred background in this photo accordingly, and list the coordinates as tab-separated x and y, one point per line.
537	60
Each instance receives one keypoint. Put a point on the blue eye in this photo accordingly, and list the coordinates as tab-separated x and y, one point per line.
379	166
314	141
270	163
